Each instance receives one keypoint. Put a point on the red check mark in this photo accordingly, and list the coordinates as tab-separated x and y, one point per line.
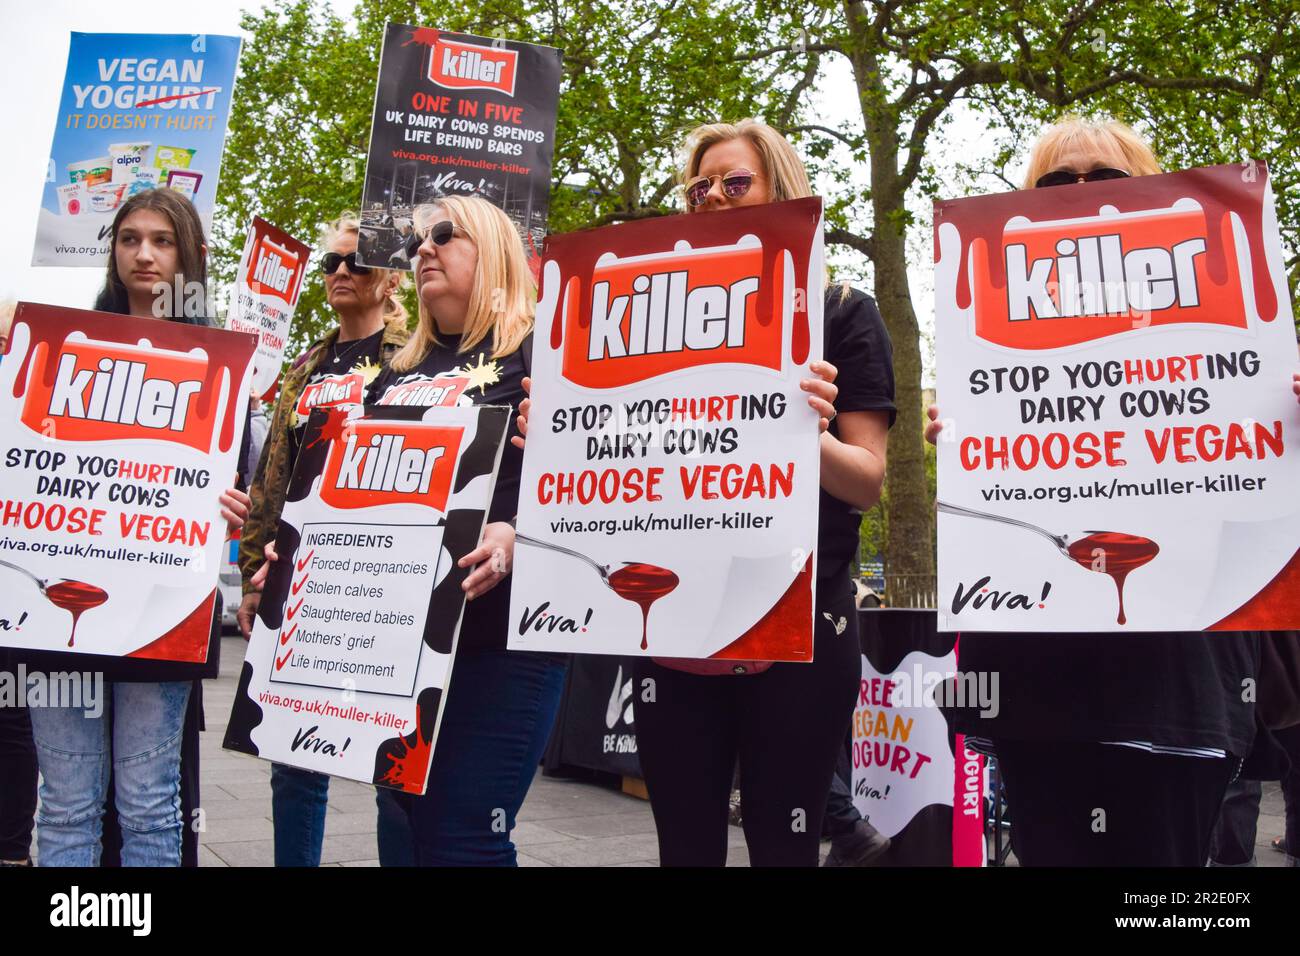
285	637
281	661
305	561
294	610
298	587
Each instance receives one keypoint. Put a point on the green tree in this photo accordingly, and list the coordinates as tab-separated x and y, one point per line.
1214	82
636	74
1207	80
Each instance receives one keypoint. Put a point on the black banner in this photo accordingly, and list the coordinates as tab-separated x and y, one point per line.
457	115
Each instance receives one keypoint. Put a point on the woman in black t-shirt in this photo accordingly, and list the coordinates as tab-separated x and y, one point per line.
784	724
1115	750
471	346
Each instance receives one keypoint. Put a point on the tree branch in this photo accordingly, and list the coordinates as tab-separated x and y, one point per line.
842	237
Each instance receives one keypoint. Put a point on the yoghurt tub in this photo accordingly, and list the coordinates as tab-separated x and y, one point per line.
185	181
126	159
106	196
91	172
146	177
173	157
72	199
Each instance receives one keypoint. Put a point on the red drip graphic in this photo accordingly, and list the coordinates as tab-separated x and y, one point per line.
50	326
75	597
643	584
1120	554
1220	191
799	335
577	255
410	766
423	36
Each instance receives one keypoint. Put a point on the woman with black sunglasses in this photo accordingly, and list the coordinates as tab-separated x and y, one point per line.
1115	750
335	370
473	345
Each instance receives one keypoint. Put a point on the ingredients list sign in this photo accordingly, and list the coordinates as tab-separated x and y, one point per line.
117	436
356	632
1115	362
457	115
668	502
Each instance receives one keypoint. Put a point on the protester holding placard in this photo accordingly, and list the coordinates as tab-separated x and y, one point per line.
156	242
472	346
785	722
334	370
1114	749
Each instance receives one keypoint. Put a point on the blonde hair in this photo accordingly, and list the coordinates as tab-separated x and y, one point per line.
503	298
1106	137
348	224
786	176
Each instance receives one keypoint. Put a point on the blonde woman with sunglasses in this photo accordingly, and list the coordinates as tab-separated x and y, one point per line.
472	345
371	328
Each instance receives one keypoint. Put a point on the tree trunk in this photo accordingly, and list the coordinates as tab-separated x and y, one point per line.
909	547
909	541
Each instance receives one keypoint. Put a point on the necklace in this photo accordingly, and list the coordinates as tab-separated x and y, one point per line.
351	350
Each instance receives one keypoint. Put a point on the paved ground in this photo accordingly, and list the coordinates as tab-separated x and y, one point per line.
563	822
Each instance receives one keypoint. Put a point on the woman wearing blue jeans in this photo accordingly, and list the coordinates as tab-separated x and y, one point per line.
476	312
475	321
135	731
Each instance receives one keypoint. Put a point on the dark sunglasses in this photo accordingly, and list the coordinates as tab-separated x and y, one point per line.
439	232
1063	177
734	185
331	261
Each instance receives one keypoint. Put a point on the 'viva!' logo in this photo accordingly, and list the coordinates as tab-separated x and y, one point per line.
467	66
386	462
98	391
275	270
979	595
649	315
1076	280
307	738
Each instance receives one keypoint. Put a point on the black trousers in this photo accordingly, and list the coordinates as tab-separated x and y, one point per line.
1092	804
786	727
1233	841
17	783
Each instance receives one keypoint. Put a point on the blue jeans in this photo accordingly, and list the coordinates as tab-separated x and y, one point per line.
498	716
298	804
74	751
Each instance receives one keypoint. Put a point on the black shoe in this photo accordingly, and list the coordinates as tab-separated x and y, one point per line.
862	847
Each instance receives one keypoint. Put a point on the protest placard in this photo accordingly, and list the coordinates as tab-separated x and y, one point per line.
907	780
118	435
265	295
138	111
457	115
668	503
355	636
1114	364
